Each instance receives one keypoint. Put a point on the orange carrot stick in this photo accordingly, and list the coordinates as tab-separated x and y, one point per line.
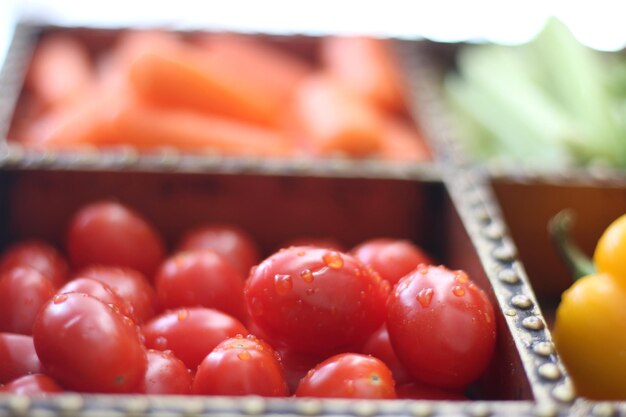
78	125
402	141
146	127
268	69
334	121
366	66
188	78
60	70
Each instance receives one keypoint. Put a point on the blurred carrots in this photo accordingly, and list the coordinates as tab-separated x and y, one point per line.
60	70
223	93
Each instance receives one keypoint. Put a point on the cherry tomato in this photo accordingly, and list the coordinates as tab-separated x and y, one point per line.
236	246
241	366
129	284
34	384
191	333
379	346
17	357
166	374
391	258
200	278
23	291
38	255
420	391
348	375
99	290
87	346
315	300
109	233
442	326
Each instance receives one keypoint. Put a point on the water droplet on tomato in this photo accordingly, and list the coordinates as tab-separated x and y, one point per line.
458	291
333	260
425	296
244	355
306	275
160	343
311	291
283	284
357	272
461	277
58	299
182	314
256	306
385	286
127	321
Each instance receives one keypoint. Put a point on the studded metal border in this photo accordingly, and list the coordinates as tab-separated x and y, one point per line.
471	195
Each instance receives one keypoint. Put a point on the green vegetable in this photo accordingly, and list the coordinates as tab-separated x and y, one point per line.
550	103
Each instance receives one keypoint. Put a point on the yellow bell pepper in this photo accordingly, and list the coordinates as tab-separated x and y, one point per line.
590	325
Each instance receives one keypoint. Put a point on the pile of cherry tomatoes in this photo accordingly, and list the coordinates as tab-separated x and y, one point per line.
116	311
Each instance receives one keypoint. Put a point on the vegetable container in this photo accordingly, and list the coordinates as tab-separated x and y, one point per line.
445	206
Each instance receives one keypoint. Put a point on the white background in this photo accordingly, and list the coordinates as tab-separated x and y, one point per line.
599	24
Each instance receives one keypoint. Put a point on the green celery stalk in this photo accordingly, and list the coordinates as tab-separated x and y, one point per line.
575	76
499	94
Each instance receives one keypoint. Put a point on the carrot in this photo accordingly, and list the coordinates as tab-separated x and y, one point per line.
60	70
77	125
402	141
268	69
148	127
366	66
188	78
334	121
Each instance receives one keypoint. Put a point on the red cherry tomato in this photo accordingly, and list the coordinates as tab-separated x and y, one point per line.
34	384
241	366
38	255
348	375
191	333
130	285
442	327
166	374
420	391
109	233
87	346
391	258
200	278
23	291
315	300
236	246
99	290
379	346
17	357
